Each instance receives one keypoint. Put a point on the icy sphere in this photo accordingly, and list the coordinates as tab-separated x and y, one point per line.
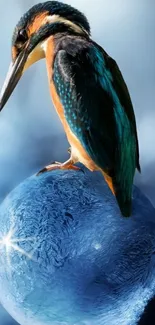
67	256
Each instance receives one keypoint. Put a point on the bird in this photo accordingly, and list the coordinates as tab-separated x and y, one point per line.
88	91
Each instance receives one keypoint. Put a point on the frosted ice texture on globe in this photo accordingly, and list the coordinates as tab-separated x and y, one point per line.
67	257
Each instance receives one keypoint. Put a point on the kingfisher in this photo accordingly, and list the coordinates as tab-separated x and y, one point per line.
88	92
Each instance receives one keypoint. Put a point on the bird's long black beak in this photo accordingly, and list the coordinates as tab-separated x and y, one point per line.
12	78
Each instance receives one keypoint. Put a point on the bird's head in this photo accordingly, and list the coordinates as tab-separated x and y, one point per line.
30	36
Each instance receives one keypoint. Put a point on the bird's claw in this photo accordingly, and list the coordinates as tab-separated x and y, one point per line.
57	165
44	170
69	150
53	165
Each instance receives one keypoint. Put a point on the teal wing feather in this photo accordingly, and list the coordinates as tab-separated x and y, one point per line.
121	89
99	112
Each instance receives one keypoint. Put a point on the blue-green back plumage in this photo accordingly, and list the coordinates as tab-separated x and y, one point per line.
99	111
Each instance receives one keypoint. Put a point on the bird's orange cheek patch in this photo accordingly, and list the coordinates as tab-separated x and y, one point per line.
37	23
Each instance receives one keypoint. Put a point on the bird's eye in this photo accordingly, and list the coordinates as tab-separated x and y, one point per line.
22	36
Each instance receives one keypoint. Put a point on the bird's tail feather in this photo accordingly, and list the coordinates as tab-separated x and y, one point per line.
124	202
123	198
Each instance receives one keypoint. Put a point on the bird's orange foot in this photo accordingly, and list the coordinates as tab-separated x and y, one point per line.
57	165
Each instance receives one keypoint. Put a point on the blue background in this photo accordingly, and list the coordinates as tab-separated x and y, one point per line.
30	132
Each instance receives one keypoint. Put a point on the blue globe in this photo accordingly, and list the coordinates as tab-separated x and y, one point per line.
67	256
